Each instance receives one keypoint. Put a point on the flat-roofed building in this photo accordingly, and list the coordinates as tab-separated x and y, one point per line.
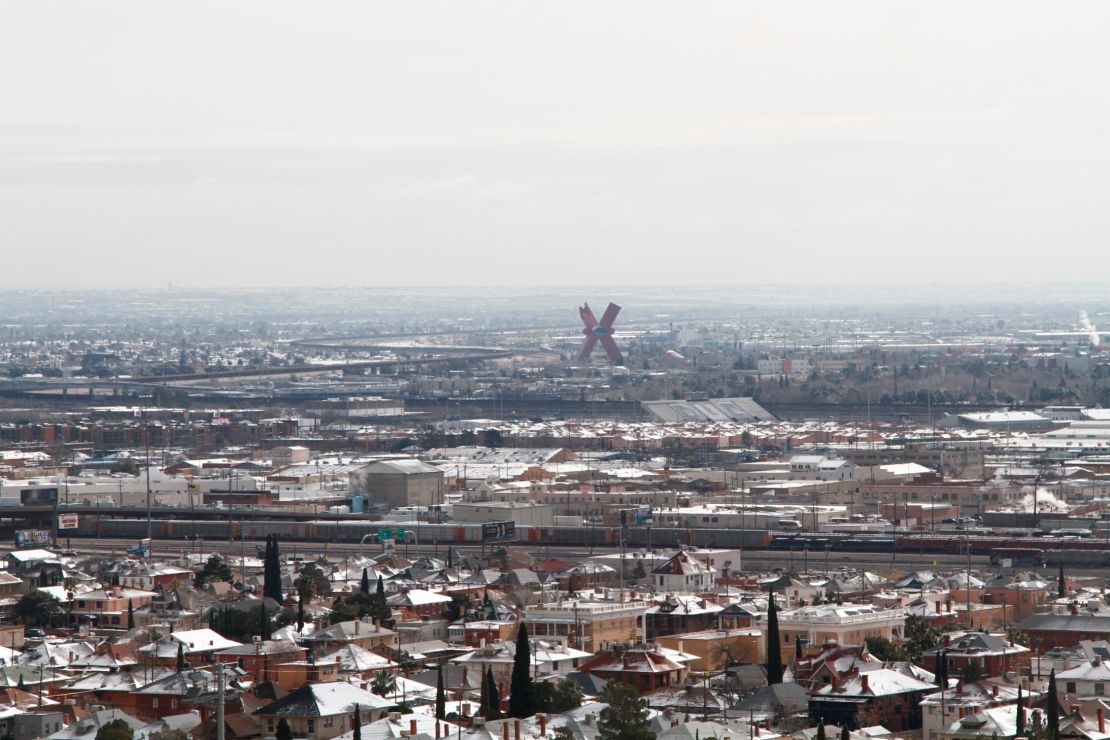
844	624
588	625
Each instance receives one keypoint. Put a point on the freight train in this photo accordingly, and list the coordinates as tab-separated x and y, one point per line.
1020	550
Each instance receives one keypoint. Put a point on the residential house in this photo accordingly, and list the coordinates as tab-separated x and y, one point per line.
320	711
886	697
978	653
644	668
683	573
716	649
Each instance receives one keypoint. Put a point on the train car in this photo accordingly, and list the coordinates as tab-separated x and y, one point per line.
1018	556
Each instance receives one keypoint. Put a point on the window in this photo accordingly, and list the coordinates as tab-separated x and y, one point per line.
1100	689
328	721
786	639
154	702
312	725
1070	687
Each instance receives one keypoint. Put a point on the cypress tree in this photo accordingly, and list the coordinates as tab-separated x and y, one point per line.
1060	590
774	649
1052	709
493	706
180	657
263	621
271	578
130	614
1020	714
356	724
483	698
365	585
820	731
441	696
300	612
521	696
844	734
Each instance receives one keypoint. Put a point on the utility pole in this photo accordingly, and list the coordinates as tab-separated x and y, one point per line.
149	525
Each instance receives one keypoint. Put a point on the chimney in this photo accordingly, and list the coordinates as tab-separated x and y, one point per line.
358	626
948	605
960	686
995	691
756	729
767	724
1075	709
437	729
543	725
465	704
674	723
1101	720
947	639
937	605
412	727
516	730
505	730
865	682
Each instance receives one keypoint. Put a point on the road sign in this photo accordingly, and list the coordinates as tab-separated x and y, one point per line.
67	521
498	531
385	534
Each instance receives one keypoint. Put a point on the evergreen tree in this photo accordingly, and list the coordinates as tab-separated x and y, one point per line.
820	732
626	716
774	648
130	614
493	697
1060	590
365	585
300	613
284	731
1052	709
356	724
844	734
521	694
441	696
271	579
483	698
180	657
263	621
1020	714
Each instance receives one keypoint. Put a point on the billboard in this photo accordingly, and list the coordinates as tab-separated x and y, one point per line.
33	538
67	521
498	531
38	496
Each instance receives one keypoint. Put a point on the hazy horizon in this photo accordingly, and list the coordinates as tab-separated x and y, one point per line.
368	144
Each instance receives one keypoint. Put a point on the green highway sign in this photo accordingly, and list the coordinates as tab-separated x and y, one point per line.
385	534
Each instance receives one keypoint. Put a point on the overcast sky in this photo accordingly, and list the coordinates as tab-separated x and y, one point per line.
436	143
